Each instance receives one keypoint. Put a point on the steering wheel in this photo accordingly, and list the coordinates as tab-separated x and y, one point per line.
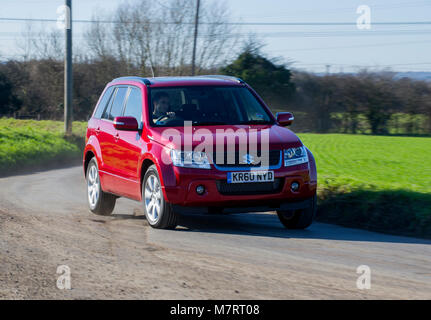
169	119
162	117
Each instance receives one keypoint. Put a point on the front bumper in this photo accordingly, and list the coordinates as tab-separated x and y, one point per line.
184	191
245	207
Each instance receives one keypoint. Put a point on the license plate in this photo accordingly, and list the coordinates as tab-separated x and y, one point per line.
250	176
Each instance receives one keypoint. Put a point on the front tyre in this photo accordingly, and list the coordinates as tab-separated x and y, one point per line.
299	219
158	212
99	202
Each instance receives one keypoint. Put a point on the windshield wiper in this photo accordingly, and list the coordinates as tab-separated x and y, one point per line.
208	123
256	122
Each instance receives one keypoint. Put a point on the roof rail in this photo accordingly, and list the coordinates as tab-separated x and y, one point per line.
133	78
220	76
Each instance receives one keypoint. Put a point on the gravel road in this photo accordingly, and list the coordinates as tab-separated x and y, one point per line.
45	223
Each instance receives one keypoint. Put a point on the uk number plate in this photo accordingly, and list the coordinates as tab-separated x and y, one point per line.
250	176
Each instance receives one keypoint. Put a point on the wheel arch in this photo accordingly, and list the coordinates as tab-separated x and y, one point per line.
147	161
87	158
92	149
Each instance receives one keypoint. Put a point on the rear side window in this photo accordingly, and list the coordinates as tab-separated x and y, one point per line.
103	103
134	105
117	105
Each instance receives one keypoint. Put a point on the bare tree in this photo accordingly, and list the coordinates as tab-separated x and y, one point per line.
218	40
37	42
155	37
98	38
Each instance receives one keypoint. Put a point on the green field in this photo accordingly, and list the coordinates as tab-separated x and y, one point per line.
371	162
31	144
375	182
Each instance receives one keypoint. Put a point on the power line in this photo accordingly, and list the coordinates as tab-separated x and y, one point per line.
231	23
354	46
362	66
330	10
282	34
327	34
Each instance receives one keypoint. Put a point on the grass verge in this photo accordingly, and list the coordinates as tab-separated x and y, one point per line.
28	144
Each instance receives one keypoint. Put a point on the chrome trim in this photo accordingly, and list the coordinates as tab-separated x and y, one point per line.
117	176
274	167
107	120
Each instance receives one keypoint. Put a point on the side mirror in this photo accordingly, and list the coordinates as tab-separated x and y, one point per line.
285	118
126	123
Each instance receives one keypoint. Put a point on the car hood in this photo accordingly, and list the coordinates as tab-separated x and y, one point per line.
175	137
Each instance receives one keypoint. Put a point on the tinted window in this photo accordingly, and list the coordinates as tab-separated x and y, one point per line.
105	114
211	105
117	105
103	103
134	105
250	106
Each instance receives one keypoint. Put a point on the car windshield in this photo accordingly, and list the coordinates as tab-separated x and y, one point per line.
210	105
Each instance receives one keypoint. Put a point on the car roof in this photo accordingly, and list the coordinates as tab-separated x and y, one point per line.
207	80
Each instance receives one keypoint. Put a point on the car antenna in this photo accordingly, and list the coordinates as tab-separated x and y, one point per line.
151	67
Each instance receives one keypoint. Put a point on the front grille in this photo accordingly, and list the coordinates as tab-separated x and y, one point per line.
274	158
252	188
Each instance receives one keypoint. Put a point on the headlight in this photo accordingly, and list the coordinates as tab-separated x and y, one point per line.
294	156
190	159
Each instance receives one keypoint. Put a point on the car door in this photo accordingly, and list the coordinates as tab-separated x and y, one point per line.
129	144
111	153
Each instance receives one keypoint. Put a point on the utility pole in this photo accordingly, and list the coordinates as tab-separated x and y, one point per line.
68	79
196	37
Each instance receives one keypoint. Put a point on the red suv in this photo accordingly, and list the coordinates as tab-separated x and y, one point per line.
196	144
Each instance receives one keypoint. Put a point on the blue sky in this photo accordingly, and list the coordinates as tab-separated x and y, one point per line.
344	48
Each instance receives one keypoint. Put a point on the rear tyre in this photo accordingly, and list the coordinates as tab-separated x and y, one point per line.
299	219
158	211
99	202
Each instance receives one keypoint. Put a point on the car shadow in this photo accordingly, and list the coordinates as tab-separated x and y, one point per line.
127	217
268	225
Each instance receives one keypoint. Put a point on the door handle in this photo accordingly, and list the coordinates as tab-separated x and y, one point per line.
97	131
116	137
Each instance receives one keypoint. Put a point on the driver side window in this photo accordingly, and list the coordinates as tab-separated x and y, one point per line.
161	104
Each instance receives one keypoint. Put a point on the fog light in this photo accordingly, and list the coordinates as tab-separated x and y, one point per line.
200	190
294	186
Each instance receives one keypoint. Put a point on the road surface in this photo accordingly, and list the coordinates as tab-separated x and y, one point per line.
45	223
